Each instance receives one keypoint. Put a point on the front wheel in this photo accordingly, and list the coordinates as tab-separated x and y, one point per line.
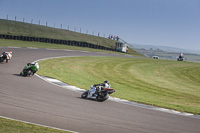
29	73
102	98
85	94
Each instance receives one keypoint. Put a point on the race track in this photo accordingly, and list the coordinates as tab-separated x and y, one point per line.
34	100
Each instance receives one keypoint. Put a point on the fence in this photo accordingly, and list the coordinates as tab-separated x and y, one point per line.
61	26
57	41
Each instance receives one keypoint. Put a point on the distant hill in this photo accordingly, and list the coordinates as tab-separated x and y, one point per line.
166	49
168	53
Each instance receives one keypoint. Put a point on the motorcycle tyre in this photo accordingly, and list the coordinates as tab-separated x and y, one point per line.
85	94
27	73
30	73
1	59
102	99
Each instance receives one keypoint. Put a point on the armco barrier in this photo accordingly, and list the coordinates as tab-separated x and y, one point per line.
56	41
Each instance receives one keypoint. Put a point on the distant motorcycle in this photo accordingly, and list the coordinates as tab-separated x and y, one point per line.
100	94
181	57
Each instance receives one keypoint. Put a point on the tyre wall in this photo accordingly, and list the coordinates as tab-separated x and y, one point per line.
56	41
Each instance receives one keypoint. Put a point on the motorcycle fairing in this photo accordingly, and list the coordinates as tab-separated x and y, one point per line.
109	90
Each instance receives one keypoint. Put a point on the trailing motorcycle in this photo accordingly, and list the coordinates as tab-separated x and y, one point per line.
101	94
5	56
30	69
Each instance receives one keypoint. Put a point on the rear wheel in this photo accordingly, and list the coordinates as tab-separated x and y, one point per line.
85	94
102	98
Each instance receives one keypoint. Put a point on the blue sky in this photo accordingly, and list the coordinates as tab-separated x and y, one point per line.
174	23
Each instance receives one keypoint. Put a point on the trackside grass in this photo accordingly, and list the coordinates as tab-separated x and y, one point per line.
12	126
169	84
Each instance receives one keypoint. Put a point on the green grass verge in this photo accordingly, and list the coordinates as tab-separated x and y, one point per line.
169	84
13	126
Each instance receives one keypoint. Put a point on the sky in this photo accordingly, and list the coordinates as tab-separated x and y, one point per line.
174	23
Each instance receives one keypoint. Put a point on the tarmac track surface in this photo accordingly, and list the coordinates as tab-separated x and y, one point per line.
34	100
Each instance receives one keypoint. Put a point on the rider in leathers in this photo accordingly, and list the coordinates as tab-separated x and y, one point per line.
6	56
98	87
34	67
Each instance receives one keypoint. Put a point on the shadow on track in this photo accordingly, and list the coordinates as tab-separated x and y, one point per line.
18	75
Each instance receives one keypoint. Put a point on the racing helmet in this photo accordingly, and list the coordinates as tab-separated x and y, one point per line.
10	52
33	63
106	82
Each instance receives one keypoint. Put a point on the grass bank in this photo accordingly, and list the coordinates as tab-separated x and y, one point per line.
13	126
169	84
16	43
25	29
9	27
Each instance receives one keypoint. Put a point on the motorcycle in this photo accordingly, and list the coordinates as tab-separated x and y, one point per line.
29	69
100	94
181	57
5	56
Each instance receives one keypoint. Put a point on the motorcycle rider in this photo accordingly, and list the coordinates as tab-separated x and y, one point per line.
98	87
180	57
34	67
6	56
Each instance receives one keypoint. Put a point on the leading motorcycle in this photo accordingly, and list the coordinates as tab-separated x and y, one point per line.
101	94
30	69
